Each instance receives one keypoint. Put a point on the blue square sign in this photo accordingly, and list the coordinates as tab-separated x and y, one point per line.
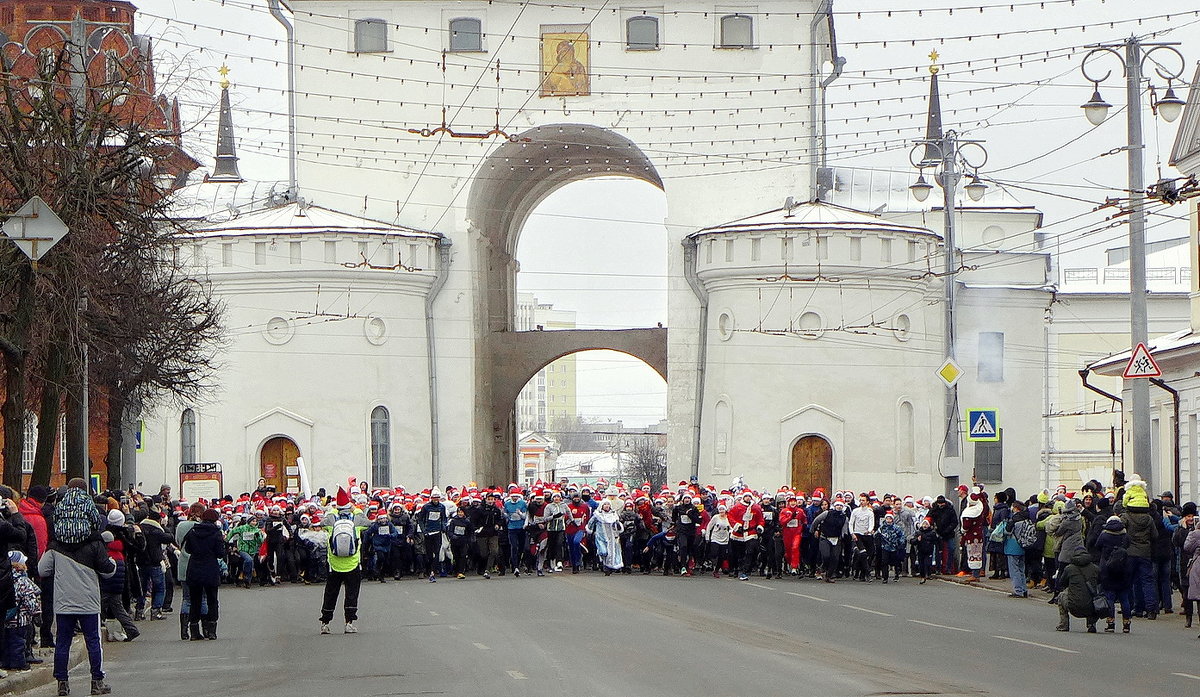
982	425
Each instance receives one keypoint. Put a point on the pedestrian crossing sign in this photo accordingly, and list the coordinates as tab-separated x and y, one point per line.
982	425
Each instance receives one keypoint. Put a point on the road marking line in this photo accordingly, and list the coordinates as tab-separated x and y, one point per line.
433	613
481	647
418	602
863	609
1034	643
1187	675
942	626
455	627
759	585
810	597
516	675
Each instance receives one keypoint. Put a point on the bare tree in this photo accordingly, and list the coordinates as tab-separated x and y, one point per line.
647	462
88	135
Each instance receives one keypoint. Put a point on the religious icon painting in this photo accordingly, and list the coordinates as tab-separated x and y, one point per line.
566	53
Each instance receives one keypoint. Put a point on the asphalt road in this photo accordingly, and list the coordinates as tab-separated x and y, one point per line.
643	635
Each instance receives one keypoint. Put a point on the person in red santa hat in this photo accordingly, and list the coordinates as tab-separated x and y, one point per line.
747	523
792	520
345	525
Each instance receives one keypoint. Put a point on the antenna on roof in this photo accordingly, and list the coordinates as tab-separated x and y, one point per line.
789	205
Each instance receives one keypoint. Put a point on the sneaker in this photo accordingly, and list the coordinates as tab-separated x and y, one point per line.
486	575
539	573
460	576
351	629
743	577
325	628
558	566
516	573
64	688
432	578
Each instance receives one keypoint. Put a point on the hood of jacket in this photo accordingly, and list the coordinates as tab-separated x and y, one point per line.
1081	557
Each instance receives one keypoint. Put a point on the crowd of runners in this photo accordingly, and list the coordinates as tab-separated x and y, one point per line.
81	561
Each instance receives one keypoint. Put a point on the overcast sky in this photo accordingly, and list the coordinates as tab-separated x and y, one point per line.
612	272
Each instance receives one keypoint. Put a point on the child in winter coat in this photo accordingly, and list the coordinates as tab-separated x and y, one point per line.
926	540
892	541
18	620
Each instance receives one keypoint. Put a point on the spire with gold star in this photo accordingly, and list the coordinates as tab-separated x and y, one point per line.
225	169
933	127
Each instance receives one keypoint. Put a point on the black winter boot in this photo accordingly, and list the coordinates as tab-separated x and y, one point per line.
194	627
210	630
183	626
100	688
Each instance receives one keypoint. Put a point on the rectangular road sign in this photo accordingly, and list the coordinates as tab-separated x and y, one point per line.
982	425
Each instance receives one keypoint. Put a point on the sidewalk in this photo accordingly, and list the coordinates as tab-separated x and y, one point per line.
41	674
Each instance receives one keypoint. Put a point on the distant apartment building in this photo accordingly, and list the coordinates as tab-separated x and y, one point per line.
551	394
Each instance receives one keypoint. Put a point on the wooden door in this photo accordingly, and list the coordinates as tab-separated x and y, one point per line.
277	455
812	464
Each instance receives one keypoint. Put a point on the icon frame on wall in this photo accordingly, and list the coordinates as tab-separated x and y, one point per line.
566	54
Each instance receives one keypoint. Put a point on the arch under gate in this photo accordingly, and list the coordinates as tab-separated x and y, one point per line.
509	184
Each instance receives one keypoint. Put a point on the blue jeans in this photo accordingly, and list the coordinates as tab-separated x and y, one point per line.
576	542
186	606
1016	571
247	566
1143	579
949	560
516	547
154	583
1126	599
90	626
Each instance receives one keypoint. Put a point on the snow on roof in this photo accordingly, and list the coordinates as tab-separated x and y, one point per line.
816	215
216	201
296	218
1181	339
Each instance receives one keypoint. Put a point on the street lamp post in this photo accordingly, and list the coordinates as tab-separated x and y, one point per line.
947	156
1133	54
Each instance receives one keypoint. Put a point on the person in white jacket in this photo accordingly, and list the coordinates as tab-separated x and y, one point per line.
862	531
717	533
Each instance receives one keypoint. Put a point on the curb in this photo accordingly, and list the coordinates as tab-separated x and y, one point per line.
43	674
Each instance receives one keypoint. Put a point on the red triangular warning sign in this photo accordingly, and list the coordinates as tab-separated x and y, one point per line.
1142	364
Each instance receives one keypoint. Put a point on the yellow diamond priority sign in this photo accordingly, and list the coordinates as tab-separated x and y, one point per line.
949	372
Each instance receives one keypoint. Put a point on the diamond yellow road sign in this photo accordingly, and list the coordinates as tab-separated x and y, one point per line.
949	372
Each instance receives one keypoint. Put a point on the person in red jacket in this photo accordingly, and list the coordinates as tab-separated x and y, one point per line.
580	512
746	520
792	520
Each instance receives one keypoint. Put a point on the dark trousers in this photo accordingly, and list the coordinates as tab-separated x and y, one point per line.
554	545
489	549
461	550
111	605
14	648
333	585
90	626
200	594
47	628
433	552
516	547
831	554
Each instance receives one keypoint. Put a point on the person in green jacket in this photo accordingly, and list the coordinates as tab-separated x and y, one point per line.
1077	590
346	525
248	537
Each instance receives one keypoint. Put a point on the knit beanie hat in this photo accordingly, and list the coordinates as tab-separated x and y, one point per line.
116	518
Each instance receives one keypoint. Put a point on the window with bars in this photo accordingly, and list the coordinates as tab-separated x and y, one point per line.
989	460
370	35
29	443
737	31
381	447
187	436
466	34
641	33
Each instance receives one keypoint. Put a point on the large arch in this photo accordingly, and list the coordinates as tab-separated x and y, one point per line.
509	183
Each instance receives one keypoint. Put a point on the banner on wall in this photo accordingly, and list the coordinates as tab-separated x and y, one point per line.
200	480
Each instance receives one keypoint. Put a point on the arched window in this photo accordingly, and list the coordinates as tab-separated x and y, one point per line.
466	34
29	444
906	438
737	31
370	35
187	437
641	33
381	447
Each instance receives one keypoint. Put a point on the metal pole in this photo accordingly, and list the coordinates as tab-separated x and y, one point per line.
949	176
76	435
1139	326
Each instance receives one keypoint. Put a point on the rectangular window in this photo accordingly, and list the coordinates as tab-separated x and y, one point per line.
786	249
991	357
755	249
912	251
822	247
29	444
466	34
227	254
260	253
708	247
989	460
728	250
855	249
370	35
294	252
641	33
62	443
1193	452
330	251
885	250
362	252
737	31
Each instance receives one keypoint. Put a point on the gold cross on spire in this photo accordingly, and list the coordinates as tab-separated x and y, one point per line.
933	58
224	71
